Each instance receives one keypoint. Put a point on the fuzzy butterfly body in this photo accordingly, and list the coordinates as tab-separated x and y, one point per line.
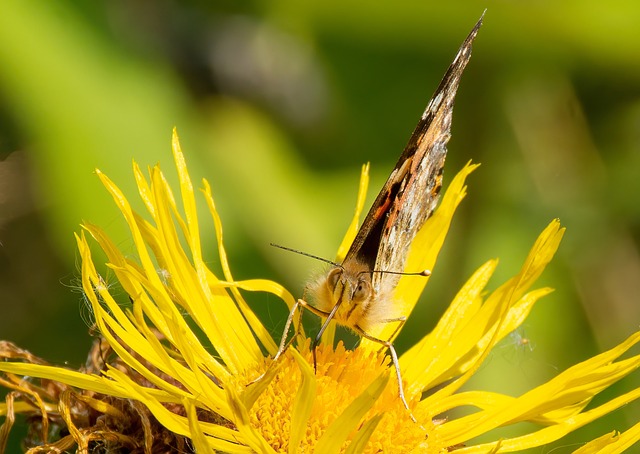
359	292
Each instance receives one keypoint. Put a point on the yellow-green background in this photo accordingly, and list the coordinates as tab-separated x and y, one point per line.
279	103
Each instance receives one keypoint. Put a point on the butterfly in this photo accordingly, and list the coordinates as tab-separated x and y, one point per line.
358	292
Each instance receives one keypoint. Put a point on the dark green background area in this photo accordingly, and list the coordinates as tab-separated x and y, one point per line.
278	104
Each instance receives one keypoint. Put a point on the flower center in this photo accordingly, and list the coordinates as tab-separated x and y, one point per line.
342	375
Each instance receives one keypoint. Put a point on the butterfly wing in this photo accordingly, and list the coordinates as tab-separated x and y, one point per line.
411	193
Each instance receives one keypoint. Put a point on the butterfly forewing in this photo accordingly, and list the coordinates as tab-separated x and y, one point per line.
411	193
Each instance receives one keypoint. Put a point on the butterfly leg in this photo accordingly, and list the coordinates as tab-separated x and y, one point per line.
396	364
318	312
401	321
283	341
284	344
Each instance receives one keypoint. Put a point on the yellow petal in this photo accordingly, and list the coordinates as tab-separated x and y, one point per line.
355	222
211	307
198	438
242	421
303	404
256	325
429	359
359	442
462	353
423	254
612	443
575	386
329	334
337	433
70	377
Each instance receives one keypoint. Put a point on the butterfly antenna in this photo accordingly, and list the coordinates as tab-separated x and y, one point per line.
306	254
424	273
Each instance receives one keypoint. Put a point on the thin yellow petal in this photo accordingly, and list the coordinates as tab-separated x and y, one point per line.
423	254
259	385
146	194
124	206
574	386
24	407
337	433
485	400
556	432
599	445
100	406
465	352
612	443
539	257
242	421
225	326
197	436
264	285
428	242
359	442
328	337
420	365
221	438
256	325
226	318
212	308
70	377
355	222
125	333
303	404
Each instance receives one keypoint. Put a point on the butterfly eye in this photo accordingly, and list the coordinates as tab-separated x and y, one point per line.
333	277
363	290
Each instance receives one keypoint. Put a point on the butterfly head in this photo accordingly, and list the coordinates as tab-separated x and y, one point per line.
347	288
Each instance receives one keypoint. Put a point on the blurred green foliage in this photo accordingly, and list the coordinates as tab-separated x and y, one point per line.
279	103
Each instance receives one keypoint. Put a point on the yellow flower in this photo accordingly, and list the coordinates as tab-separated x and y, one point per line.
188	352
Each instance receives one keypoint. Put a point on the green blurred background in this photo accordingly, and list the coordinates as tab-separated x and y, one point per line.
279	103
